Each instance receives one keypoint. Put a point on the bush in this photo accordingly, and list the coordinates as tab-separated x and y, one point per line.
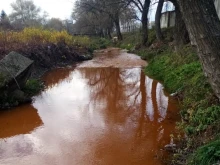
33	86
98	43
38	36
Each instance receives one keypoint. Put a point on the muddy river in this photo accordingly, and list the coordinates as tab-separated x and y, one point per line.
103	112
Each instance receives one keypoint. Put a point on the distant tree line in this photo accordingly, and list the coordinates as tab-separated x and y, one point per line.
26	14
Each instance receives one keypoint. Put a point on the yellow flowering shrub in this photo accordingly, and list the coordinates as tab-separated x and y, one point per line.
40	35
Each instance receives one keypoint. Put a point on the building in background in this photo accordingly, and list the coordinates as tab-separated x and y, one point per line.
217	5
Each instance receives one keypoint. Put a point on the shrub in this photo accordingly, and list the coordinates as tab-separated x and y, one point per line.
33	86
38	36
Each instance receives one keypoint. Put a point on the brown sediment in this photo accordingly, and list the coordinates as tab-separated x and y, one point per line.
104	112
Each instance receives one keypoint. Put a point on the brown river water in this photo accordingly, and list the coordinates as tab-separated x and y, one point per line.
103	112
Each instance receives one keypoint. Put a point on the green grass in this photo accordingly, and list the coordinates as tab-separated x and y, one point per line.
181	74
202	118
130	41
207	155
98	43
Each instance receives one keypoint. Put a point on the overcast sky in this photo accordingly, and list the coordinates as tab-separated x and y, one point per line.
55	8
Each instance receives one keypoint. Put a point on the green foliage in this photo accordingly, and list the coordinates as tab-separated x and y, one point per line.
99	43
33	86
129	47
130	40
151	36
168	34
179	77
203	117
150	54
133	39
146	55
207	155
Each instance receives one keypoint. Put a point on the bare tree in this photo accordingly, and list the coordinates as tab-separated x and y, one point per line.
89	20
157	20
143	7
24	13
55	23
112	9
4	21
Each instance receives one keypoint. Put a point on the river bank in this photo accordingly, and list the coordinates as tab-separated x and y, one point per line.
44	59
182	74
48	49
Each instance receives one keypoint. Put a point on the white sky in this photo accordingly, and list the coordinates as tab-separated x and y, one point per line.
55	8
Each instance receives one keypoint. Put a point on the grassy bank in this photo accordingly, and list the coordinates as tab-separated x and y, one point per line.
182	74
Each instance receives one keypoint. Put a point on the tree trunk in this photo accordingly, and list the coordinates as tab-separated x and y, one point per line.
118	29
203	25
144	21
109	33
157	20
181	35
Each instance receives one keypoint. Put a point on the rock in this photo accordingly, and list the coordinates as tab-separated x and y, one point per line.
15	69
85	57
170	147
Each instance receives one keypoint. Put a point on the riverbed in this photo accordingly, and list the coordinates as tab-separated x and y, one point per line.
103	112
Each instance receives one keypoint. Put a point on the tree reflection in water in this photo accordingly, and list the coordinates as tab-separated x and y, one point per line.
101	115
128	97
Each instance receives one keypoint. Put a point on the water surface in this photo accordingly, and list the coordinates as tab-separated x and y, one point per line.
91	116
